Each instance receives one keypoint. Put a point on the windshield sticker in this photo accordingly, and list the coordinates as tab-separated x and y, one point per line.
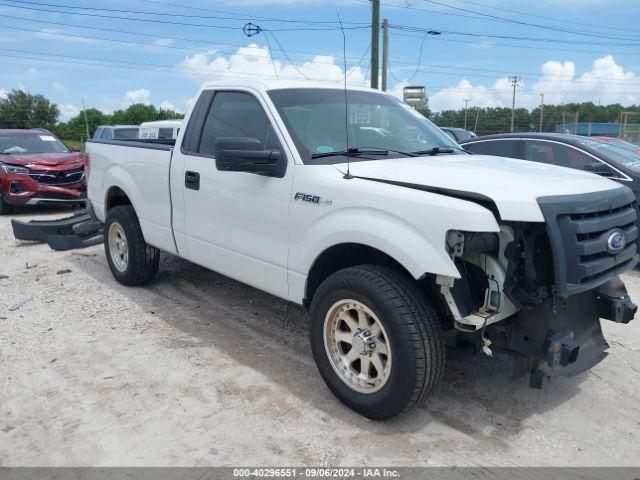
47	138
360	115
324	149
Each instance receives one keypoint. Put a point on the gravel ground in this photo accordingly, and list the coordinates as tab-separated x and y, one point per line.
197	369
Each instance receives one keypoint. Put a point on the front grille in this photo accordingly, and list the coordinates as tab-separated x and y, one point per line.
579	227
61	177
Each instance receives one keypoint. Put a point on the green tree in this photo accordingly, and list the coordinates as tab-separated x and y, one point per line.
139	112
23	110
75	128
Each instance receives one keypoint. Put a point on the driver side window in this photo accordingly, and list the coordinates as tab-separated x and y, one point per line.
236	114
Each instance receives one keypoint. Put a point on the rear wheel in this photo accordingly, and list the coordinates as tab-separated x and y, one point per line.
131	260
5	208
376	340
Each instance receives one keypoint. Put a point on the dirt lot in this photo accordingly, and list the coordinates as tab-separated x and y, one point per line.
197	369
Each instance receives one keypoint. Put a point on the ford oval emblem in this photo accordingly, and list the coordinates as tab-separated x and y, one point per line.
616	241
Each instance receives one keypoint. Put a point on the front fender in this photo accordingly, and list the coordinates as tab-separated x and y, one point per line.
385	232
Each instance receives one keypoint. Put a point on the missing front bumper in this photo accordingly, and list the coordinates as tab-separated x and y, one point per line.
562	337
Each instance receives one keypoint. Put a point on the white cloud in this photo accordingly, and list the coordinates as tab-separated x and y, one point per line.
190	101
163	42
606	82
452	98
398	89
61	35
167	105
256	61
68	111
3	93
141	95
59	87
22	87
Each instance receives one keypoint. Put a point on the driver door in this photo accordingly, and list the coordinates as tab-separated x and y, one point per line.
237	223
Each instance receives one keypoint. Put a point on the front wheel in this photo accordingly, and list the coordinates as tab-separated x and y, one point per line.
376	340
132	261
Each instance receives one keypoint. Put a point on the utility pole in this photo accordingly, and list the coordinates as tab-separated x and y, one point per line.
385	53
515	81
86	123
475	129
466	107
541	110
375	42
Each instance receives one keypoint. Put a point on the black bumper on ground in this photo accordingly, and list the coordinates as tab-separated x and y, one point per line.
78	231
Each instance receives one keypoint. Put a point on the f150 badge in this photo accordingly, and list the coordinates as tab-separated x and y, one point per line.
307	197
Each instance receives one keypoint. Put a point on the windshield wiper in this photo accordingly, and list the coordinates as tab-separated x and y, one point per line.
435	151
356	152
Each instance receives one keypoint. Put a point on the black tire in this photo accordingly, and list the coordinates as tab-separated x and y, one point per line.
5	208
142	259
413	332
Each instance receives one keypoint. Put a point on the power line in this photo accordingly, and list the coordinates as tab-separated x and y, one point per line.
520	22
520	46
127	65
143	44
531	75
233	16
560	20
150	35
411	28
409	7
262	18
66	59
164	22
430	68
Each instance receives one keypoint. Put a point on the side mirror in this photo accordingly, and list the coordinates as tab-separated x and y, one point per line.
599	169
245	154
75	148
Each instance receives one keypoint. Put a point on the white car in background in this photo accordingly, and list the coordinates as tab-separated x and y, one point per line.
165	129
116	132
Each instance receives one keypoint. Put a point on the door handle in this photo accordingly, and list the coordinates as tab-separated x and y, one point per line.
192	180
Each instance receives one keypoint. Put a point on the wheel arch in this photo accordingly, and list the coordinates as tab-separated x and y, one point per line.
120	189
344	255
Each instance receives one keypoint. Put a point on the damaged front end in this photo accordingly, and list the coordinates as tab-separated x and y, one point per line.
537	291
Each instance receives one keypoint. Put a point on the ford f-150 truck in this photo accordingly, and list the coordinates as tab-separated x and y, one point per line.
403	246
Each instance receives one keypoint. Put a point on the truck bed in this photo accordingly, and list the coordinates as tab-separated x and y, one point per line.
141	168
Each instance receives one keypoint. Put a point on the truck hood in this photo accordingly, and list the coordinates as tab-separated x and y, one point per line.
42	159
513	185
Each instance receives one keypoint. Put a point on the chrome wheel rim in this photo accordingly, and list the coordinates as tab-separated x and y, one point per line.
357	346
118	247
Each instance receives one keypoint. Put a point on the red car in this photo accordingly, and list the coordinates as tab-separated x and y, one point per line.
37	168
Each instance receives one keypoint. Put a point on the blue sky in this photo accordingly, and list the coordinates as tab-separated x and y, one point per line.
162	60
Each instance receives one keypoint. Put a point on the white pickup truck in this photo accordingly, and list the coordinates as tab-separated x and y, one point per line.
403	246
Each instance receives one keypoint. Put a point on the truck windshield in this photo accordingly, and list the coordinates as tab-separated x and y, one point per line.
39	142
315	118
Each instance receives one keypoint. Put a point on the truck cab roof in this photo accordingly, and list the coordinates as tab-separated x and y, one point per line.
282	84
